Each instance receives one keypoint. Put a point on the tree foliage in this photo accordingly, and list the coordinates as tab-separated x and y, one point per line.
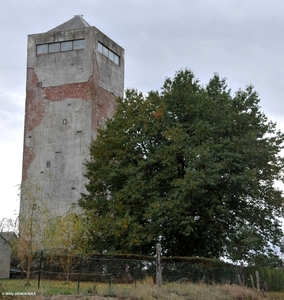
62	239
32	221
9	225
63	233
190	167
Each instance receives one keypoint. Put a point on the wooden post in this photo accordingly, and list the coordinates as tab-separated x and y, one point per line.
257	280
242	274
239	279
158	265
265	286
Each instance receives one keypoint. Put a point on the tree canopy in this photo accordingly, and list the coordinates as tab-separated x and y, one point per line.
191	167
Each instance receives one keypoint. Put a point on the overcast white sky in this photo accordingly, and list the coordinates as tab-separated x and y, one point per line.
242	40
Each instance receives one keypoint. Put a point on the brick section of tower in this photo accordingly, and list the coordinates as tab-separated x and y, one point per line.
75	90
28	157
34	112
105	108
34	106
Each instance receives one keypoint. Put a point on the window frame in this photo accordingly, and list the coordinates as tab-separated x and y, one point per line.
45	48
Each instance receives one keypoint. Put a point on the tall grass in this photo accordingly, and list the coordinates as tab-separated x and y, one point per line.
187	291
145	290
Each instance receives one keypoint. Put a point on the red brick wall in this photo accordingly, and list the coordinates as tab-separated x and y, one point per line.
34	112
29	155
34	109
74	90
105	107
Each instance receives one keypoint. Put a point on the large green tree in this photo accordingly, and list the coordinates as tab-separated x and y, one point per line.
189	167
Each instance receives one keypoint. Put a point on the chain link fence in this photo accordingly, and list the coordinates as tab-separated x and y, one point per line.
129	269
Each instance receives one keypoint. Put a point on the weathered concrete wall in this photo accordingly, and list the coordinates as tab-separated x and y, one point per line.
69	95
111	76
56	69
58	161
60	68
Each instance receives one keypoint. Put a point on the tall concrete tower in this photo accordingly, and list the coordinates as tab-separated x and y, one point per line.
74	75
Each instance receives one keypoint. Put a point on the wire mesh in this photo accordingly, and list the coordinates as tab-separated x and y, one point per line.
129	269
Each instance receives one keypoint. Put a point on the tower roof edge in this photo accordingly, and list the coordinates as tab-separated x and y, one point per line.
77	22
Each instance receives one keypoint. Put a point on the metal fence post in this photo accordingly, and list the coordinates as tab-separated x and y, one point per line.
39	272
135	274
79	276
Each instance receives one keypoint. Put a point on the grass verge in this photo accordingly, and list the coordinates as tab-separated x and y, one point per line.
143	291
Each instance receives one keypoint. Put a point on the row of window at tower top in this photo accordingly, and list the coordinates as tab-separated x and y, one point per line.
74	45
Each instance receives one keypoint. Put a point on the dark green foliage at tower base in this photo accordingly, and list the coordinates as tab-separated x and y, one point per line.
192	168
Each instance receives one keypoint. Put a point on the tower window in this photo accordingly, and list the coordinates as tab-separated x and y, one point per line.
48	164
41	49
55	47
78	44
100	47
60	46
64	121
108	53
66	46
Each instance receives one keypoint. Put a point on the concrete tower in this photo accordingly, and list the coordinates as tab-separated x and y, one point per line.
74	75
